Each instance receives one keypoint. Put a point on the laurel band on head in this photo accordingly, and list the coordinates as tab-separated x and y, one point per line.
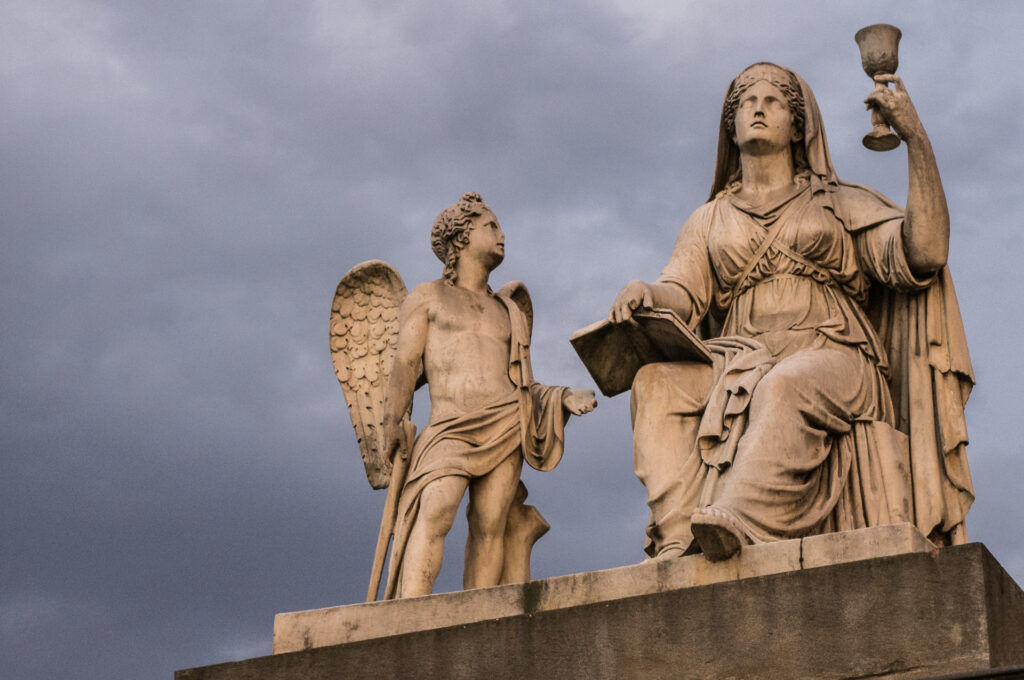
450	232
774	75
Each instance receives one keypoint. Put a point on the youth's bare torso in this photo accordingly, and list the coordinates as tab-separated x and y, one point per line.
461	335
467	349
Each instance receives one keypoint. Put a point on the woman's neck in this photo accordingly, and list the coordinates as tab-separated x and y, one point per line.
766	176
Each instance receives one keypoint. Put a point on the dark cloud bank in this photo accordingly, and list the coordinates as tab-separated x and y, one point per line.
184	183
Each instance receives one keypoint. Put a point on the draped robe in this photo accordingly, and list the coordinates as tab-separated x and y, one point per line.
527	421
794	430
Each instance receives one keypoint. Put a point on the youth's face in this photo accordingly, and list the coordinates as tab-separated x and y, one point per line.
486	240
763	120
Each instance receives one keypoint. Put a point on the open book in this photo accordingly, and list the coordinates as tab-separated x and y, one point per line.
613	353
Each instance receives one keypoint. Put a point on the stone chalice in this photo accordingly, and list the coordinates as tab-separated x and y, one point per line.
879	53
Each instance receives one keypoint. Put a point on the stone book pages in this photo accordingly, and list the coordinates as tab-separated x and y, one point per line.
613	353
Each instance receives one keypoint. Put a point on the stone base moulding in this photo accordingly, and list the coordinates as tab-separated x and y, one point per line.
295	631
823	607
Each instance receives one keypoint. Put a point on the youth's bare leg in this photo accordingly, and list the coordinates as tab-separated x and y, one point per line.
439	503
490	498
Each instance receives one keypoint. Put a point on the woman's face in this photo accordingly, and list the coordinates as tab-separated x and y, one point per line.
763	122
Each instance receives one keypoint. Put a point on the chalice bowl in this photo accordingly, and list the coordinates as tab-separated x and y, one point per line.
879	53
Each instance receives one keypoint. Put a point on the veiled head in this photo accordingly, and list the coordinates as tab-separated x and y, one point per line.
810	150
782	79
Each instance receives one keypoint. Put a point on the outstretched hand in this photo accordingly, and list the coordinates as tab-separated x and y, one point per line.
578	402
895	106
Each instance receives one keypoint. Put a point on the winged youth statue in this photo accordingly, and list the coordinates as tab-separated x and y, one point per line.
470	345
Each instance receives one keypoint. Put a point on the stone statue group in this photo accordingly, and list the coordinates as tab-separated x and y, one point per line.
833	400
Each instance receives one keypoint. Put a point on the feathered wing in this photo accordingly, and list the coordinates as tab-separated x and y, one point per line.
519	294
364	338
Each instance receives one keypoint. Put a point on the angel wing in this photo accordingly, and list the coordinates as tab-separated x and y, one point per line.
520	294
364	337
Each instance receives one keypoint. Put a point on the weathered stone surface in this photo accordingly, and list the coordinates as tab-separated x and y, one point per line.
487	413
320	627
849	546
915	615
788	398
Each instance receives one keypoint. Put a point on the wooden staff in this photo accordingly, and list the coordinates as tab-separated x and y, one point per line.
387	522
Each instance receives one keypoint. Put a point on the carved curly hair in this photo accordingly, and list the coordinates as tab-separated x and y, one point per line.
450	233
790	88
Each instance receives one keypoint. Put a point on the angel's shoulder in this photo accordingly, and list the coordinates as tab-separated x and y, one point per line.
428	291
426	295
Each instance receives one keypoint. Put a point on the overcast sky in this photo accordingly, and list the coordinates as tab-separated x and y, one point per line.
183	184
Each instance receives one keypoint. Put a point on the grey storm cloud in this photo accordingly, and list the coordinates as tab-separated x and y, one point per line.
183	184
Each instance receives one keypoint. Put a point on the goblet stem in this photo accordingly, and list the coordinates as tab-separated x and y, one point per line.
881	137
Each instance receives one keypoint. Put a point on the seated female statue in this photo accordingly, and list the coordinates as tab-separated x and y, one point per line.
836	396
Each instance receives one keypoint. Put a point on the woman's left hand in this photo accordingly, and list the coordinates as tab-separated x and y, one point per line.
896	107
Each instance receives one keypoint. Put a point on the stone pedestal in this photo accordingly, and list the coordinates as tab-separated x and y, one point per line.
822	607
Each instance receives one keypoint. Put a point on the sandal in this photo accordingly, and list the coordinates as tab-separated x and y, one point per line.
718	537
